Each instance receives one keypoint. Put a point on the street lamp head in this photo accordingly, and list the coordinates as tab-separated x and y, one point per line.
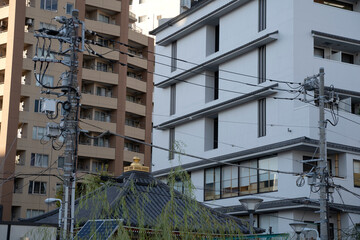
52	200
251	204
298	227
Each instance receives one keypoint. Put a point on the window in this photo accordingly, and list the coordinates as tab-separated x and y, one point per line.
347	58
39	160
39	133
212	183
319	52
211	133
46	80
101	142
129	146
262	64
337	4
262	117
216	133
173	56
217	38
50	5
97	166
172	99
230	181
103	18
245	179
48	26
36	187
262	15
61	161
248	177
267	179
171	142
308	165
100	66
69	8
142	19
357	173
216	85
30	213
37	106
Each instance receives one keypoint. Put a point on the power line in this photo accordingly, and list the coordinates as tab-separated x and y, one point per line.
192	156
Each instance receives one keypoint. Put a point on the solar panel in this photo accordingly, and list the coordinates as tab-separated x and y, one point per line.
98	229
107	229
88	230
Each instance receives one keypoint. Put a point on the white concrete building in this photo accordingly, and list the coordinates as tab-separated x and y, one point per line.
231	61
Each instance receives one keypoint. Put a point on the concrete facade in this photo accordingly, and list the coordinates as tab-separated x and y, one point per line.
113	97
216	103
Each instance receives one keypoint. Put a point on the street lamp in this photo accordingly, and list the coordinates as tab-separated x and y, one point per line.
53	200
298	227
251	205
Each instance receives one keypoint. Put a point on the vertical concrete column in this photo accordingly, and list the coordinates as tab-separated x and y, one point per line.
11	101
149	92
121	89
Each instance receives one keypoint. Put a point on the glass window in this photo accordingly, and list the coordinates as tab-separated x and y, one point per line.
30	213
142	19
268	181
39	160
36	187
319	52
357	173
248	177
50	5
61	162
336	3
69	8
103	18
46	80
347	58
39	133
212	183
230	181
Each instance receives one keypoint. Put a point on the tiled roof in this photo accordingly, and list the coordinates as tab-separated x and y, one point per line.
134	191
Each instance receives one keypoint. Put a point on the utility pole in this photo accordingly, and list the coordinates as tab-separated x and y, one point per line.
323	160
68	127
71	126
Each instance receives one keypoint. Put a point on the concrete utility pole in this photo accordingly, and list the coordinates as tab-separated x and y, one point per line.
68	126
323	160
71	126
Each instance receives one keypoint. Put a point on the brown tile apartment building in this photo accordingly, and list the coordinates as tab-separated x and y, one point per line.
113	97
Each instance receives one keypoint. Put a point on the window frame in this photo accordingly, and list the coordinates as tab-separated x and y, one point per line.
44	4
42	187
37	160
67	8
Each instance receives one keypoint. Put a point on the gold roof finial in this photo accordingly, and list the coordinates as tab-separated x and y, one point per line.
136	166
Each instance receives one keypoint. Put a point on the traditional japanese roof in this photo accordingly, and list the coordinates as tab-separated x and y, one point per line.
137	192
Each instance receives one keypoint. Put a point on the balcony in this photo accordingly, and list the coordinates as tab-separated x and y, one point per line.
96	152
101	27
2	63
102	50
136	84
3	37
89	125
28	64
139	62
138	37
99	76
112	5
129	155
134	132
136	108
4	11
99	101
29	38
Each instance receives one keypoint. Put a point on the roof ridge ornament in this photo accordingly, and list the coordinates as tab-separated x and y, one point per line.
136	166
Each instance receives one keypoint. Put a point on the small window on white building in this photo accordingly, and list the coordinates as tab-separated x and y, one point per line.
262	64
262	117
172	99
173	56
171	143
211	133
262	15
212	86
357	173
319	52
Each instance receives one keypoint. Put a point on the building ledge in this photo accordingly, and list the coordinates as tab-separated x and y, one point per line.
216	61
211	110
198	23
